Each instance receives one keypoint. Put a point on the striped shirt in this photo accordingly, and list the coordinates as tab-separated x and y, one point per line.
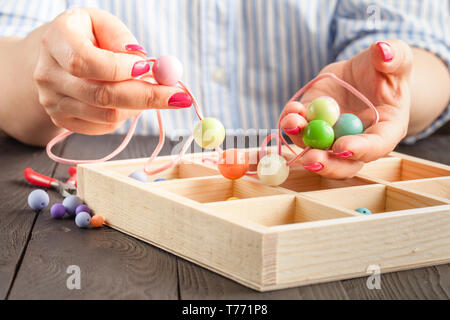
244	59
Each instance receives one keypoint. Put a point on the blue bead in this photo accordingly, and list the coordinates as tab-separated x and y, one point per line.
38	200
83	220
364	211
160	180
57	211
83	208
347	125
139	175
71	203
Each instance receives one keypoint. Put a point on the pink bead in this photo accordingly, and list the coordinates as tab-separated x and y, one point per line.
167	70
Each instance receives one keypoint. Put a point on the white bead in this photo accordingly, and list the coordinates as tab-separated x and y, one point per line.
273	170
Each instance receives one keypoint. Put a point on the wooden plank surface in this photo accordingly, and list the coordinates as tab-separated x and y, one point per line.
115	266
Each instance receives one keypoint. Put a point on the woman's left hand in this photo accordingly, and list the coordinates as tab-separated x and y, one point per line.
382	73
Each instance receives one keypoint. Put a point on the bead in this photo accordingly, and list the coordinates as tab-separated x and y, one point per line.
364	211
273	170
209	133
38	200
139	176
324	108
71	203
318	135
97	221
83	208
159	180
233	164
57	211
233	199
83	220
167	70
347	125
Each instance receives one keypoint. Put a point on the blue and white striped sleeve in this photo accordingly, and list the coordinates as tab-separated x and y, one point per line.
420	23
19	17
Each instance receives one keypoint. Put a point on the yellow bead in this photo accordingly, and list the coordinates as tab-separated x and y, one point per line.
324	108
273	170
233	199
209	133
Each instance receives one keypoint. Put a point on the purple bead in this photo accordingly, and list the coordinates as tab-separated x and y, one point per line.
57	211
139	175
71	203
38	200
83	208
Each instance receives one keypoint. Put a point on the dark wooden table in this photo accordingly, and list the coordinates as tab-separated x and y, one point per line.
35	250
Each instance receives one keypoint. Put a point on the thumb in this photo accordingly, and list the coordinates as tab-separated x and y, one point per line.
394	57
112	34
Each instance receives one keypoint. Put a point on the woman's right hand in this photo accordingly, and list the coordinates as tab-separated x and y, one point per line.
84	74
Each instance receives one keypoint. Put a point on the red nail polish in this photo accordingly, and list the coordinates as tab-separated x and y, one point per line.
136	48
140	68
344	155
292	131
316	167
386	51
180	100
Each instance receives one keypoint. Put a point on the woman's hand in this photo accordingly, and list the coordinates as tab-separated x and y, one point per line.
83	74
382	74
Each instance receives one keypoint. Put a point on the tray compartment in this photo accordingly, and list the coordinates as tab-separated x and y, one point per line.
439	187
396	169
301	180
278	210
376	198
215	189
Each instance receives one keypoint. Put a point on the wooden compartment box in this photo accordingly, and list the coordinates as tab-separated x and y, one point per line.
305	231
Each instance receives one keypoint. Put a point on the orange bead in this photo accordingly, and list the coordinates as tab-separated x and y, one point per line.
233	164
97	221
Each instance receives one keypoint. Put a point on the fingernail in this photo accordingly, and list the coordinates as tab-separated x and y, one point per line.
180	100
135	48
292	131
316	167
344	155
140	68
386	51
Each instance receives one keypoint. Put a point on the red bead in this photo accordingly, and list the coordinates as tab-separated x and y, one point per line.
233	164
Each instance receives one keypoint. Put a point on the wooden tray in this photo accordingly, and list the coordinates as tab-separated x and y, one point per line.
305	231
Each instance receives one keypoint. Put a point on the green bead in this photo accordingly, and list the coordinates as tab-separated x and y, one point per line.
318	135
325	109
348	125
209	133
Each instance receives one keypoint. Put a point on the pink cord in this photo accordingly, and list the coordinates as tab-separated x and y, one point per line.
279	137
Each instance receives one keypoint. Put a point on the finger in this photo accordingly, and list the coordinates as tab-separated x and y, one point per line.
85	127
80	110
392	57
325	164
293	107
77	53
129	94
376	142
293	124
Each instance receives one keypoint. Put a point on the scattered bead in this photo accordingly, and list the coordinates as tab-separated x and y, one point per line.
209	133
364	211
139	175
71	203
167	70
159	180
38	200
273	170
83	220
233	164
233	199
57	211
324	108
83	208
318	135
97	221
348	125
